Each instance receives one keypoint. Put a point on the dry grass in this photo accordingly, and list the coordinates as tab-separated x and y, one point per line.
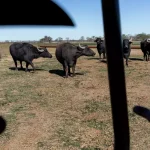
44	111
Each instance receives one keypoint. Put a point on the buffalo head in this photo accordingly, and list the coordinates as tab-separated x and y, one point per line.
126	43
99	40
86	51
44	52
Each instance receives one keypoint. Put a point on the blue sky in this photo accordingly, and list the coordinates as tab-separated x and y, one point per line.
87	15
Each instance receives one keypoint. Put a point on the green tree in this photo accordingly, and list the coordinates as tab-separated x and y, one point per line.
142	36
46	39
82	38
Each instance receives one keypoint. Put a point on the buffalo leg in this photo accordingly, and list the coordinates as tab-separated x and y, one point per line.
21	64
66	69
69	73
127	62
32	65
27	64
104	56
15	64
99	56
144	57
73	70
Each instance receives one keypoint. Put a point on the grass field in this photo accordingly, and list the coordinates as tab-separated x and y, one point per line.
44	111
92	43
135	44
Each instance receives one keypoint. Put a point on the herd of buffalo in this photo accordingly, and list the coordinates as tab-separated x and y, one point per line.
67	53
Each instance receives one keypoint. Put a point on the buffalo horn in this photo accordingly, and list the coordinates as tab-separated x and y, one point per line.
40	50
81	46
130	39
148	40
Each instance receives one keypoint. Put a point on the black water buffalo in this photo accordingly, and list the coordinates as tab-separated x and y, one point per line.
145	47
101	47
27	52
126	49
67	54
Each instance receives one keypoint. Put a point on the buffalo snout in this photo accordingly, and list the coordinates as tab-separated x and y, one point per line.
50	55
126	46
91	53
94	53
88	52
46	55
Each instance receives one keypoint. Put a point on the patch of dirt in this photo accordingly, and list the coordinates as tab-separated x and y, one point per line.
45	111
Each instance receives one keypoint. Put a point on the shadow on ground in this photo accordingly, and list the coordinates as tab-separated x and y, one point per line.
93	58
137	59
100	60
142	111
103	61
19	69
61	72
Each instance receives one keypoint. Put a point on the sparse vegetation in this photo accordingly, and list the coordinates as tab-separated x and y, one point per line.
44	111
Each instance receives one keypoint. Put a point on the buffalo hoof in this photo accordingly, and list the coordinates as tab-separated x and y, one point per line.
65	76
72	75
16	69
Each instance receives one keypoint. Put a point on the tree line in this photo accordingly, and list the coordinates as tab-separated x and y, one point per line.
48	39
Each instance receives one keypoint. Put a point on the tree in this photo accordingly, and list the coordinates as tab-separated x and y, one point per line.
82	38
46	39
59	39
67	39
89	39
93	37
142	36
127	36
124	36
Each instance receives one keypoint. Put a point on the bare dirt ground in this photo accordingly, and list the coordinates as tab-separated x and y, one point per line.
44	111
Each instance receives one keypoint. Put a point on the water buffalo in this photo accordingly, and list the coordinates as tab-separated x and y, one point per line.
101	47
27	52
126	49
145	47
67	54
